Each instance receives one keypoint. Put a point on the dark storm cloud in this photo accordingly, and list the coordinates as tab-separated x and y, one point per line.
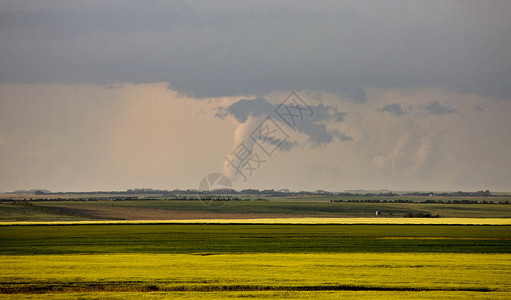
314	125
244	107
394	109
436	108
230	48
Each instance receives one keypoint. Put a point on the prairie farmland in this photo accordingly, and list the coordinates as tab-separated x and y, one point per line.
307	247
254	260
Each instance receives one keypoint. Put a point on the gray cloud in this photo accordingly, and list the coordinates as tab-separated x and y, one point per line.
313	126
230	48
394	109
341	136
245	107
436	108
479	108
284	145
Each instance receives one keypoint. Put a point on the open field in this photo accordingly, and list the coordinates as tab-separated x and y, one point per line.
216	238
193	209
257	261
260	275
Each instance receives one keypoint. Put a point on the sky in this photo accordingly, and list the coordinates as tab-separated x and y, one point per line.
303	95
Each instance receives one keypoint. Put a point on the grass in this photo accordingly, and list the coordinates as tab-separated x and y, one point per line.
318	208
12	212
216	238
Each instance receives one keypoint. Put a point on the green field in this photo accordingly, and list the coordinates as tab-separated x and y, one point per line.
211	238
162	209
306	207
255	261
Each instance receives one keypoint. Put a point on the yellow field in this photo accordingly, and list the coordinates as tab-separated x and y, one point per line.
364	295
262	275
437	221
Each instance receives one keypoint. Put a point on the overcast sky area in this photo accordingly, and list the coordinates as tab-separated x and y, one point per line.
113	95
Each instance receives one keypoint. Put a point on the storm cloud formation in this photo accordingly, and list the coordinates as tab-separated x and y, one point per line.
294	116
228	48
314	126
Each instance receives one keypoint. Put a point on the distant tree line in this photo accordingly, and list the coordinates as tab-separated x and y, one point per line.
267	193
480	193
418	201
420	215
374	200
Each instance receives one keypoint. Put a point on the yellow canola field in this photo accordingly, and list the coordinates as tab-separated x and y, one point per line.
433	221
263	275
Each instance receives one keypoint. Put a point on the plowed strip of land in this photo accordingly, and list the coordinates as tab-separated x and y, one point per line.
141	213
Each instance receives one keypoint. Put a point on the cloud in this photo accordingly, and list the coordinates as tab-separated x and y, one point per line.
394	109
275	127
53	136
244	108
313	125
478	107
341	136
283	145
230	49
438	109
